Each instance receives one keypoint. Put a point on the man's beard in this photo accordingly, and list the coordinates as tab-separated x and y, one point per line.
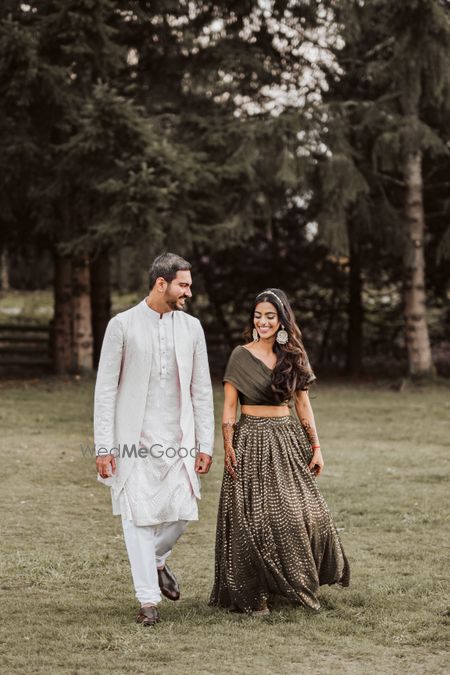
174	304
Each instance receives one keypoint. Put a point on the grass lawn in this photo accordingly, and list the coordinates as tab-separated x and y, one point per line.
37	306
67	600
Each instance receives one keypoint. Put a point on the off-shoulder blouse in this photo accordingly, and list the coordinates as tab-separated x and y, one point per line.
252	378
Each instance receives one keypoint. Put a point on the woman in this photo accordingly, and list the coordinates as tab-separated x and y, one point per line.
275	534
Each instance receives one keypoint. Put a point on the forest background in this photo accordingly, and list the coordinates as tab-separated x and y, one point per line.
302	145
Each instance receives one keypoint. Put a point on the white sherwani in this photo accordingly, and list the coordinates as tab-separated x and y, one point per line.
154	392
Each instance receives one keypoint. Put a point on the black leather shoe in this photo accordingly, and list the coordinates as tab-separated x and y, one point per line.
168	583
148	616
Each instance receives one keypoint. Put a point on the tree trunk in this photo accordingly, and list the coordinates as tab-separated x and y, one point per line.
355	309
323	352
62	322
100	300
118	266
4	278
416	327
82	325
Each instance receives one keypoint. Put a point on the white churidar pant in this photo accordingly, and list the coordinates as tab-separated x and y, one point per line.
148	548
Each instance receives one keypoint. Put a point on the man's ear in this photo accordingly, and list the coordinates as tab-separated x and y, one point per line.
161	284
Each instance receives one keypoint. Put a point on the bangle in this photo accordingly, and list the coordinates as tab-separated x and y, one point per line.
315	447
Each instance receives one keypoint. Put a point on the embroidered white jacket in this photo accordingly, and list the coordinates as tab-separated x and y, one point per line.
122	385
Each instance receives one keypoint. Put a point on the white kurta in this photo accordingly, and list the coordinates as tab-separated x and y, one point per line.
121	391
158	489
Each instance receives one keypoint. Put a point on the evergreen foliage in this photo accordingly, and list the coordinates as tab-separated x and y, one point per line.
226	131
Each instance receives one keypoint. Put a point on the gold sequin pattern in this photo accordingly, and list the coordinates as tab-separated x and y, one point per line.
275	533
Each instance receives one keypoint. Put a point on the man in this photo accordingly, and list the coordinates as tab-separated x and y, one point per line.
154	426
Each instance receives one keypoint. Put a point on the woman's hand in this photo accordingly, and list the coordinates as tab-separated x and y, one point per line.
230	461
228	427
316	464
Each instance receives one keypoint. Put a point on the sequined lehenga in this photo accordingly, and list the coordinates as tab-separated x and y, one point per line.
275	533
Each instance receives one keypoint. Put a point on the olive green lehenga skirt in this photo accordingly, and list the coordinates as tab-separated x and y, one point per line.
275	533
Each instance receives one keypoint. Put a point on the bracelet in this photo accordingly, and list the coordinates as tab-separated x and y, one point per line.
315	447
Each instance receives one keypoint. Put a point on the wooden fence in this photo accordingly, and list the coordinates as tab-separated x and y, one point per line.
24	349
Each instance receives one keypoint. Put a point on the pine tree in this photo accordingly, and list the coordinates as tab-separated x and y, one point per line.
397	58
207	73
97	170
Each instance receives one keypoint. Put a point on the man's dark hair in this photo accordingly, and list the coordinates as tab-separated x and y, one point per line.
166	266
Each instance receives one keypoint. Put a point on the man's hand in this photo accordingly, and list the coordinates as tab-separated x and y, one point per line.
106	465
202	462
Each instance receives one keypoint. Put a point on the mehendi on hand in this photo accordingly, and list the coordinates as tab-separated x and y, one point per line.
310	432
228	432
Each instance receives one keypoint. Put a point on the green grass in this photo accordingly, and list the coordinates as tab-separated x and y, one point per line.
67	601
37	306
26	307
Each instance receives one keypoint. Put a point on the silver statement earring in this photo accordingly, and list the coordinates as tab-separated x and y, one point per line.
255	335
282	336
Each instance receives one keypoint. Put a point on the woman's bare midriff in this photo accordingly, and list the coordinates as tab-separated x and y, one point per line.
265	410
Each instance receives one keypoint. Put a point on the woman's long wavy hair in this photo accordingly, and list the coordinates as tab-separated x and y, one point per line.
292	369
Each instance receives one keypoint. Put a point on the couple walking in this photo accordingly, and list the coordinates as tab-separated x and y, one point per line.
154	436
